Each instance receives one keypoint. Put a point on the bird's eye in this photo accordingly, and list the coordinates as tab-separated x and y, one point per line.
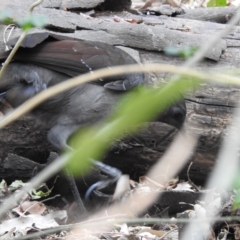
177	113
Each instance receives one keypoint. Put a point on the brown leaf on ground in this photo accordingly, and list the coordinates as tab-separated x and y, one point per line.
33	207
237	232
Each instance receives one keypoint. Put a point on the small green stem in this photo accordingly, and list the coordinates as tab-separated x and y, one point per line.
19	42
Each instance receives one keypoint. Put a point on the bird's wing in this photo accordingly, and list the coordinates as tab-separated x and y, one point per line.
74	57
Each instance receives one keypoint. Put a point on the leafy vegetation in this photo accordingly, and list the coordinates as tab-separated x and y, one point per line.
31	21
217	3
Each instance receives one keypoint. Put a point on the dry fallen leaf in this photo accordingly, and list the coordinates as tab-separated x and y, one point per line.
133	20
157	233
237	232
33	207
183	186
26	223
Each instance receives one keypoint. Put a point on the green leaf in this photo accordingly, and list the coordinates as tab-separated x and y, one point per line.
36	194
5	17
236	182
32	21
171	51
16	185
39	194
137	107
236	201
217	3
185	52
236	185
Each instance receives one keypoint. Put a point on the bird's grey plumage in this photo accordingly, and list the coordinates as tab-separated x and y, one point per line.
65	112
47	59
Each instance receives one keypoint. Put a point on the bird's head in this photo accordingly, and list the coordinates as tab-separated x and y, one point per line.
174	115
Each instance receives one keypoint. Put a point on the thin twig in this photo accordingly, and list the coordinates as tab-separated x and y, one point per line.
164	235
19	42
35	4
14	50
5	40
189	180
73	82
199	55
226	169
52	169
51	198
129	221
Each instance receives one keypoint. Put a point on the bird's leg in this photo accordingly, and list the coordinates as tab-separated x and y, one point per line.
58	136
111	172
73	187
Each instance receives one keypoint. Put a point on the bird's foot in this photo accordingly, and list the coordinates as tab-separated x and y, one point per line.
104	186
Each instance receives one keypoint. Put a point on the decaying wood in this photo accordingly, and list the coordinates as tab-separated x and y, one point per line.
110	5
15	166
154	37
209	108
26	138
215	14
